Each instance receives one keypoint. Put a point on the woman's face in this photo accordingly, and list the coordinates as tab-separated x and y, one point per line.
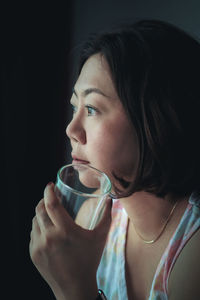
100	132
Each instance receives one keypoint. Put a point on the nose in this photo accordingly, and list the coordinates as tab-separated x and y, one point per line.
75	130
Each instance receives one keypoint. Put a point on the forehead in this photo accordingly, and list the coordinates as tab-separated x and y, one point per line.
96	73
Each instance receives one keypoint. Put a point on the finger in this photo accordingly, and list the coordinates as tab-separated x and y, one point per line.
35	226
43	219
104	224
34	235
55	209
35	229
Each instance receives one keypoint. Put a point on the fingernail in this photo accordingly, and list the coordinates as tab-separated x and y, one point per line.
50	183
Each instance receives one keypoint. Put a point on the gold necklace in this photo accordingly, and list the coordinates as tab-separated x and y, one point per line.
162	229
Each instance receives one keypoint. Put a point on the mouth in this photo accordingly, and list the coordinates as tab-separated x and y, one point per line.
77	160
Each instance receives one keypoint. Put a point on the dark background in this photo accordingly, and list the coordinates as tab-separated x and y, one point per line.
40	45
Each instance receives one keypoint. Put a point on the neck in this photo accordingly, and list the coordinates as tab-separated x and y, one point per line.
148	213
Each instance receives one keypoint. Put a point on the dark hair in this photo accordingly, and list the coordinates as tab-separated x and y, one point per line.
155	67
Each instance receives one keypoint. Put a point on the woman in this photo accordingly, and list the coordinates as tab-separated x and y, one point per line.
135	117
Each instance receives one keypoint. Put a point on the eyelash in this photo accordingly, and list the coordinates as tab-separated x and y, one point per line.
89	108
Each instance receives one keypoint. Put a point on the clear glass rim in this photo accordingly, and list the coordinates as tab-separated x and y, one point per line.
81	193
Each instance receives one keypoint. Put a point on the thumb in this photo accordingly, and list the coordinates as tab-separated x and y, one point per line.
104	224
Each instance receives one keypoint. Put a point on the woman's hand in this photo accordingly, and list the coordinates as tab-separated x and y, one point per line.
66	255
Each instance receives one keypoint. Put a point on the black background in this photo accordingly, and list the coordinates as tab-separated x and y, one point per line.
34	91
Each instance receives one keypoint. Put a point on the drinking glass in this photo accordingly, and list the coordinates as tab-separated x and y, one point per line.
82	189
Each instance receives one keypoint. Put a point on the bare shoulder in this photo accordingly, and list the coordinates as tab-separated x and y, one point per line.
86	212
184	278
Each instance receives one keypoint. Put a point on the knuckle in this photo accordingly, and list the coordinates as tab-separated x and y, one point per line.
41	211
36	255
51	204
33	220
48	241
35	252
64	234
40	207
38	251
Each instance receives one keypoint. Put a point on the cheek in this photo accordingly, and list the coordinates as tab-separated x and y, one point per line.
113	146
98	149
103	140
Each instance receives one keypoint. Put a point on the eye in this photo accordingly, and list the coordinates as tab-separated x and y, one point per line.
91	110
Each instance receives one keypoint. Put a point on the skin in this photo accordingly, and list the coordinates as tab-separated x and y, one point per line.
187	265
101	134
64	252
100	131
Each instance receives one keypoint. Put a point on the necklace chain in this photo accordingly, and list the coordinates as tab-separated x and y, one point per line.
162	229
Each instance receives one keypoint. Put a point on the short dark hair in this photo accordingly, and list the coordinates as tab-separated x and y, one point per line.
155	67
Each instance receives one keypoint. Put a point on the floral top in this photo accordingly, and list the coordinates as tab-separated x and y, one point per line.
111	270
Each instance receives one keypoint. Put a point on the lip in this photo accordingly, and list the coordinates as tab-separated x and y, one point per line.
79	160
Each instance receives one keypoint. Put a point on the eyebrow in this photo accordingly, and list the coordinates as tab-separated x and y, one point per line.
89	91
